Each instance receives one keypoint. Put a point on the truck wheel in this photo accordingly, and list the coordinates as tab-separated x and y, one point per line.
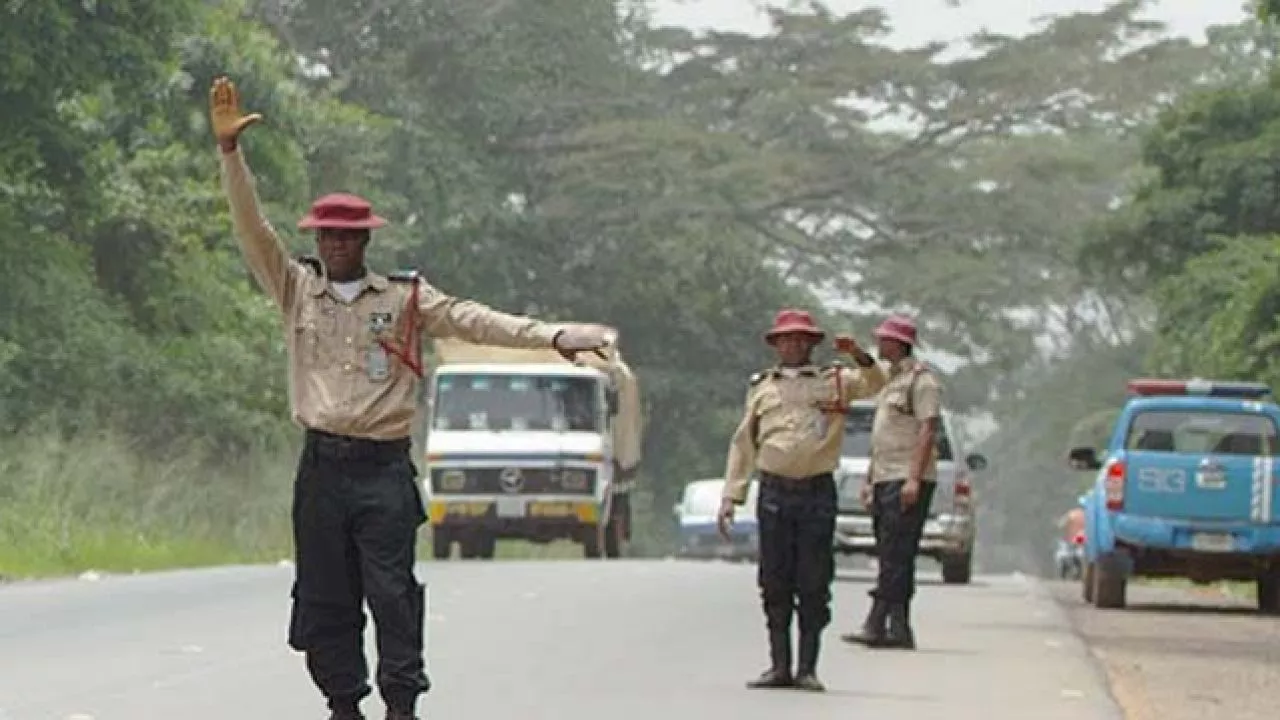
1269	591
613	541
471	545
590	543
1109	583
957	570
1086	582
441	543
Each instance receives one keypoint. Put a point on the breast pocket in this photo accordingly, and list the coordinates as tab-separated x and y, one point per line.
313	333
896	399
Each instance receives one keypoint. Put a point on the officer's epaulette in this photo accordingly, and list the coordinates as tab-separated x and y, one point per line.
403	276
756	378
312	262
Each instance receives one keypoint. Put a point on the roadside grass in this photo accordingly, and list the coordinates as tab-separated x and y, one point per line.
96	502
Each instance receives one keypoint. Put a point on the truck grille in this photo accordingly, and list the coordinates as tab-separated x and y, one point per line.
531	481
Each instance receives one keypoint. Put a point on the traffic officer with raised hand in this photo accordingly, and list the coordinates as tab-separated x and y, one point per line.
900	482
354	346
791	431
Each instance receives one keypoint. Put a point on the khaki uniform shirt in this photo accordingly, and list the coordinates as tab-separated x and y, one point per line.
340	381
782	431
911	396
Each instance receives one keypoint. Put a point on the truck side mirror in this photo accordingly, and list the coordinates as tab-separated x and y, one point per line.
611	401
1083	458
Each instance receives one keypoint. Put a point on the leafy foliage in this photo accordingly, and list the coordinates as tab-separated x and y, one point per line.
573	160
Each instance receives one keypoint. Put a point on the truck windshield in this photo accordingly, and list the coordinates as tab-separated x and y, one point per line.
857	434
1199	431
465	401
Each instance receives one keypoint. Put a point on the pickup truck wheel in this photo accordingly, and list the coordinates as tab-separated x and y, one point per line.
957	570
1086	582
441	543
1109	583
1269	591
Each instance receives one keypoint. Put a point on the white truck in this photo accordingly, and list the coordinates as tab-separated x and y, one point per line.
522	444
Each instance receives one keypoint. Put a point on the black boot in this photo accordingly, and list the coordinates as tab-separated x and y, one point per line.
873	632
807	672
344	709
900	635
779	674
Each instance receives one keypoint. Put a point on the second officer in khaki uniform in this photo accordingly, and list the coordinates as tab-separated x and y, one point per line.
354	343
901	482
791	431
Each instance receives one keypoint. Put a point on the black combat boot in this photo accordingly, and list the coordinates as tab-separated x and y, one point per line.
779	674
872	633
807	672
900	635
345	710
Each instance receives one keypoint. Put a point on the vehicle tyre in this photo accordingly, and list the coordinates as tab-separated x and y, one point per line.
486	546
1086	582
472	545
613	540
1269	591
957	570
441	543
1109	583
590	543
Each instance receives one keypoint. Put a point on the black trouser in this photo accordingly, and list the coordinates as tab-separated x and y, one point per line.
797	525
356	513
898	532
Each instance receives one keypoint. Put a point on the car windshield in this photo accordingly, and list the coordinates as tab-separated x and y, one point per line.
466	401
1199	431
857	434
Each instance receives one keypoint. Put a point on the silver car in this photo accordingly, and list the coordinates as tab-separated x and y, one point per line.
951	528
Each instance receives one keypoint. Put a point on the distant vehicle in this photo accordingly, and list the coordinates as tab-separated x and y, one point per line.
522	444
696	516
1185	488
951	529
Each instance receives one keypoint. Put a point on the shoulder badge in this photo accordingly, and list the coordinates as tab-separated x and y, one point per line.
311	262
756	378
403	276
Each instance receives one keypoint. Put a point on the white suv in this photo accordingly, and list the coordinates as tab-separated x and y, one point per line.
950	531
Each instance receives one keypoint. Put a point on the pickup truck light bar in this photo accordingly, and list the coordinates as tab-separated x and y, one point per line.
1207	388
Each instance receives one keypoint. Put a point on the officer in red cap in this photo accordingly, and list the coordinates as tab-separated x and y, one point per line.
354	345
790	433
900	482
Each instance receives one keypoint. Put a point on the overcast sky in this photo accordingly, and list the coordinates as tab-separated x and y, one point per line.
919	21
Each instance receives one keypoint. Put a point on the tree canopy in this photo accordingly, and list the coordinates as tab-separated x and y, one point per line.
1031	200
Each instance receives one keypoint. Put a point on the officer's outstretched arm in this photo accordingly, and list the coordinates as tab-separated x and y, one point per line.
444	316
742	454
264	253
862	382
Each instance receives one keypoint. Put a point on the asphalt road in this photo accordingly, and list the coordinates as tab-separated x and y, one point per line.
551	640
1184	653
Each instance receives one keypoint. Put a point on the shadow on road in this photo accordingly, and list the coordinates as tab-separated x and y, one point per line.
1200	609
865	578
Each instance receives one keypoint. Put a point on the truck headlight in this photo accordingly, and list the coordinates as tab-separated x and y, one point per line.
453	480
573	480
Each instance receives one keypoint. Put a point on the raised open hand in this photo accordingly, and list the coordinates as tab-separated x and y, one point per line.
224	113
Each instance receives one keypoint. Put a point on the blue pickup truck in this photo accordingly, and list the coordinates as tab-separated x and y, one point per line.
1186	488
